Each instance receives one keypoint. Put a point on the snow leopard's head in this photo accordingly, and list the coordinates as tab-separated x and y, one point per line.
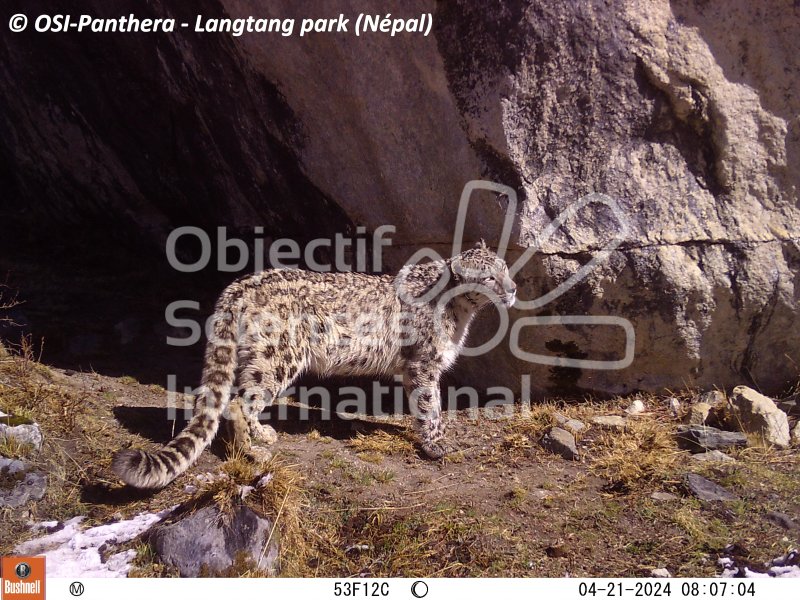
484	276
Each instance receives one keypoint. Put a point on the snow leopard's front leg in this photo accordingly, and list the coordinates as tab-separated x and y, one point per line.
421	382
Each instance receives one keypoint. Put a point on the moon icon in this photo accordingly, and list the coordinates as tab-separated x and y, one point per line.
419	589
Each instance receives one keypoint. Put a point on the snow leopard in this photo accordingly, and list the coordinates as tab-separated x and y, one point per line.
271	327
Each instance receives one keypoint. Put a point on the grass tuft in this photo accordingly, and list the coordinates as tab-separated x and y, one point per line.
645	452
382	442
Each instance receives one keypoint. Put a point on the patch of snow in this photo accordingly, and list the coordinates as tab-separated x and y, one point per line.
793	571
75	552
783	566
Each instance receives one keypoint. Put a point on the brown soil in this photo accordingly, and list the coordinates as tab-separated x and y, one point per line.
369	504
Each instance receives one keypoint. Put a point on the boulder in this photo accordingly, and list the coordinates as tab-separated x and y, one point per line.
757	414
707	490
698	413
26	434
677	112
571	425
203	543
19	483
561	442
702	438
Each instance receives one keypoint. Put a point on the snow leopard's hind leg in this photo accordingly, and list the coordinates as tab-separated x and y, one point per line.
260	381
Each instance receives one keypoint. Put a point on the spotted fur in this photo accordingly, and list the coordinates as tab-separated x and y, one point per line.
271	327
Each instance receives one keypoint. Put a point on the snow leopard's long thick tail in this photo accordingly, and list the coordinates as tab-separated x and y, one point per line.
153	470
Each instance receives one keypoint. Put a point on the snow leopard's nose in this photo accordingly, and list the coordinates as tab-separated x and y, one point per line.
509	287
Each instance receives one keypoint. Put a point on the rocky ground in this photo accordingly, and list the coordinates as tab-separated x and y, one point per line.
562	488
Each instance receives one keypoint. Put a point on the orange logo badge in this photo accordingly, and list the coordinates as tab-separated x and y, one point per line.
23	578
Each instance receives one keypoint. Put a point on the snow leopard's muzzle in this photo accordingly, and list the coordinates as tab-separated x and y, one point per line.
509	296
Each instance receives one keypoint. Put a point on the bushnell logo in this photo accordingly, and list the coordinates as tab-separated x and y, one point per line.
23	578
23	570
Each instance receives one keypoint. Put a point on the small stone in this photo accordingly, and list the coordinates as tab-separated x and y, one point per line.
18	484
542	494
202	542
29	435
698	413
674	406
609	422
660	573
713	456
712	398
701	438
781	519
664	496
707	490
636	408
574	425
561	442
796	434
758	414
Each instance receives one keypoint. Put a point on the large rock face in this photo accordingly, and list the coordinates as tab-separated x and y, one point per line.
682	113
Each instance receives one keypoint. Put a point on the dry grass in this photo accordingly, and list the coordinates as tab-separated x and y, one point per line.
703	531
533	421
517	441
353	518
12	448
382	442
8	300
284	500
645	452
27	390
273	488
408	541
27	393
